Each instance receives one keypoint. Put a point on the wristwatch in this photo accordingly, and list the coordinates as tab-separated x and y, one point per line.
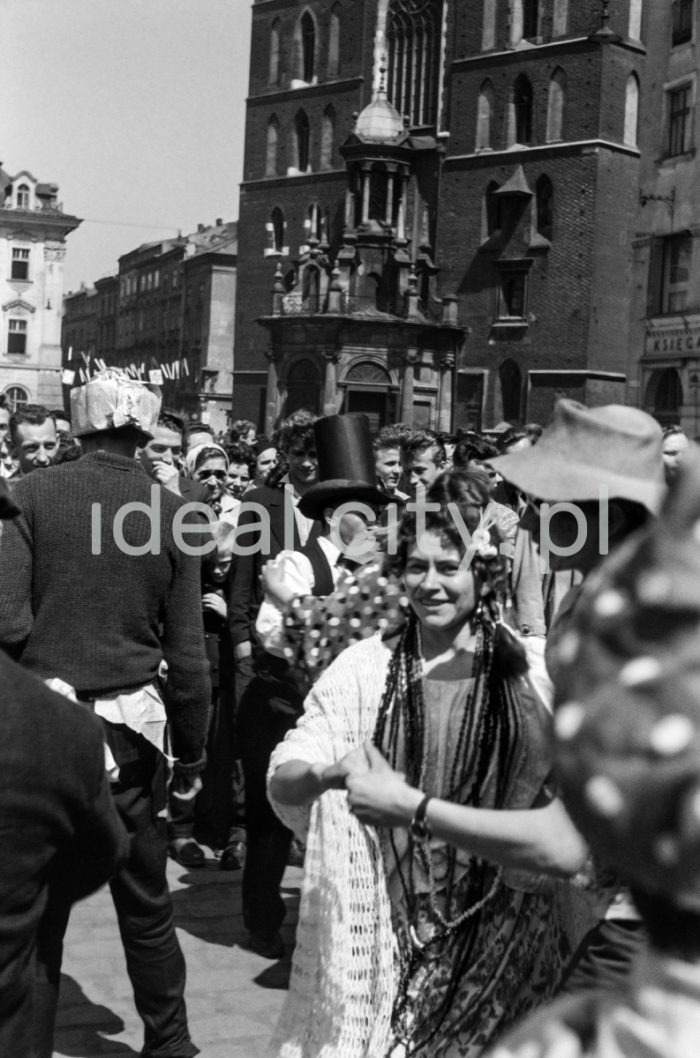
418	827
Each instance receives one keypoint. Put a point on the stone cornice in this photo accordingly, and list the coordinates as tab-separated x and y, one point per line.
489	159
540	51
322	88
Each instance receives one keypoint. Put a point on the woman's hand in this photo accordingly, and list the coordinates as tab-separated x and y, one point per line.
336	776
214	603
380	796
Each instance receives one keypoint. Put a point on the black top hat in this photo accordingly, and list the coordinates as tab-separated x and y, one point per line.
346	467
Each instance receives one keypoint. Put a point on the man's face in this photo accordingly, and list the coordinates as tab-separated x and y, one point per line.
388	466
165	447
199	437
421	468
303	465
264	464
675	447
4	422
35	446
237	479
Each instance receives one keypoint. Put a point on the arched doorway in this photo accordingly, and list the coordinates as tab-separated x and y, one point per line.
369	389
664	396
303	387
511	389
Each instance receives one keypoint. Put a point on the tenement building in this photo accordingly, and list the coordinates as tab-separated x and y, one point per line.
665	319
437	207
33	231
167	316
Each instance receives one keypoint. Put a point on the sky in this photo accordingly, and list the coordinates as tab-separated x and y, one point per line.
135	108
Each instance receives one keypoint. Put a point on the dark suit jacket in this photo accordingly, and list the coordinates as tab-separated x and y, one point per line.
192	491
245	596
59	828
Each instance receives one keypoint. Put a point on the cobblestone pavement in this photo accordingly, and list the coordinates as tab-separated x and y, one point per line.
233	996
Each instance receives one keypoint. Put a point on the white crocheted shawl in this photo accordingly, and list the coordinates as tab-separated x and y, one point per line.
342	984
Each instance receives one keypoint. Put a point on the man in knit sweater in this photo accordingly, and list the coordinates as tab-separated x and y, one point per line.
97	591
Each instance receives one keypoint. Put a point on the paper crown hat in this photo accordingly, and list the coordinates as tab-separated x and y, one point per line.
585	450
110	401
628	680
346	465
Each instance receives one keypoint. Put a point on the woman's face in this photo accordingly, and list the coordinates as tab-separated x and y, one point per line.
237	479
264	464
212	473
442	593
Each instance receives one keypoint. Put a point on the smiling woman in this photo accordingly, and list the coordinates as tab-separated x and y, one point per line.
440	846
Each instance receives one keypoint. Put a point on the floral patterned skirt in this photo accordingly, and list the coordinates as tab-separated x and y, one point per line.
459	994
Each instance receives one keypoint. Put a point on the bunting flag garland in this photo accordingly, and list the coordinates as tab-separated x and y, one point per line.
156	374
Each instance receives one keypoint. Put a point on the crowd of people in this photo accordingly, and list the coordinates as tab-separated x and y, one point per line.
452	675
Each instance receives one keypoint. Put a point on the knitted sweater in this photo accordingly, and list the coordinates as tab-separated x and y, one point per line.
77	605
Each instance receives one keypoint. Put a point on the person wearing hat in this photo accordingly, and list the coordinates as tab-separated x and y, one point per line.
627	730
269	708
594	477
98	592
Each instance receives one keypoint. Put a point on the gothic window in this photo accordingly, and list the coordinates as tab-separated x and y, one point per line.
520	112
301	141
379	183
311	289
634	29
413	33
631	111
488	26
484	119
555	106
525	18
277	230
560	18
544	204
334	43
682	21
306	39
23	196
273	130
312	224
327	138
274	72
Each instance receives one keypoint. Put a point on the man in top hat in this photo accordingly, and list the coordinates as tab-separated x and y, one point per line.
61	834
594	477
98	592
628	755
269	709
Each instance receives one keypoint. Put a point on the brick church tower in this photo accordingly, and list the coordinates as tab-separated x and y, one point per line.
437	206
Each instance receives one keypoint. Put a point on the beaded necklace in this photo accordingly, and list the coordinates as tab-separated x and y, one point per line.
488	727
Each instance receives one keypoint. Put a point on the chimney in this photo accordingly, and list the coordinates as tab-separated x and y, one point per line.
219	222
200	227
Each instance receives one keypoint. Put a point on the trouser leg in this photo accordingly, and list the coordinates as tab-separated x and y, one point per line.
268	841
47	977
142	900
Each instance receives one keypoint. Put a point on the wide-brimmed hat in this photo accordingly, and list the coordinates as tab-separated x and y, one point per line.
627	695
111	401
588	452
346	466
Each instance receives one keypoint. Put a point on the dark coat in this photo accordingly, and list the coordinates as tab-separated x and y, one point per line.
60	830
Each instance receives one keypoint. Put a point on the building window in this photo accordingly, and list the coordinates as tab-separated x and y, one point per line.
484	117
512	295
675	283
16	397
20	264
493	210
544	205
301	141
634	28
488	26
556	105
679	113
510	377
327	138
312	224
306	40
413	34
271	148
274	71
520	113
334	43
23	196
560	18
631	130
277	230
525	21
17	336
682	21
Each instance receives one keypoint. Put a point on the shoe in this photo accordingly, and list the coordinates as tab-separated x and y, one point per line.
187	852
269	945
296	854
232	857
